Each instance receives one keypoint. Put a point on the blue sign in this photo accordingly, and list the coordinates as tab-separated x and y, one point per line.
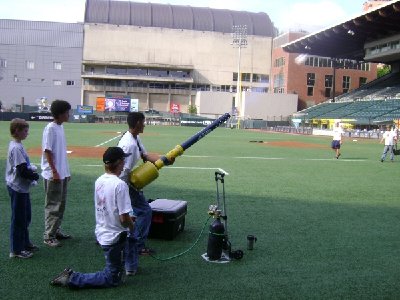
117	104
84	109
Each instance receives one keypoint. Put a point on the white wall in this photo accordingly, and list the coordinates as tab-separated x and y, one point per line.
213	103
255	105
266	106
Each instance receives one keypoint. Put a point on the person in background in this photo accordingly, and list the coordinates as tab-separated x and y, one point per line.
112	207
390	139
56	174
20	176
337	139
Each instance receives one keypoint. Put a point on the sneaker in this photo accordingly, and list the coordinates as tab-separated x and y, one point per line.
62	279
22	254
130	273
62	236
32	248
52	242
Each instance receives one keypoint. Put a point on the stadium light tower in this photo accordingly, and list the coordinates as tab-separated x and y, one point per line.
239	40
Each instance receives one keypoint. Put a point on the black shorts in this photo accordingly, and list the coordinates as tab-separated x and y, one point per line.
335	144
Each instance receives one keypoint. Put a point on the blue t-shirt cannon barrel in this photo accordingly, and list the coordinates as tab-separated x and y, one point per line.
147	172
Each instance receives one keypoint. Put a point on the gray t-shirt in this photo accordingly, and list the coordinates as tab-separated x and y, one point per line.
16	156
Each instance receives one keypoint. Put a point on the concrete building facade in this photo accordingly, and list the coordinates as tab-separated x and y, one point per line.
39	59
165	54
313	78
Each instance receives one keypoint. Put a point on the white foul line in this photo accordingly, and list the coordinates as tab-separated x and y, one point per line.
169	167
200	168
251	157
108	141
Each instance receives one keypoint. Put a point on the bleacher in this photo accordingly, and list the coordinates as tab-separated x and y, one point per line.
319	110
376	101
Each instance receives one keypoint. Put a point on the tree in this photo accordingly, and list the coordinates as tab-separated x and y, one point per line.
192	109
383	70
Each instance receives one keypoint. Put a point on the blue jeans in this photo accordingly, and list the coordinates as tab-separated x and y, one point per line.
112	274
131	253
142	211
20	219
386	149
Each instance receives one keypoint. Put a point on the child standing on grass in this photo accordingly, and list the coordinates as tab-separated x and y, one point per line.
337	139
390	139
56	174
112	207
20	175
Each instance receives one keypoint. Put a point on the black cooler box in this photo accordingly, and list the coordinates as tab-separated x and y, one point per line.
168	218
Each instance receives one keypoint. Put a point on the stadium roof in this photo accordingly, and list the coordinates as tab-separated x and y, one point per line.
176	17
347	39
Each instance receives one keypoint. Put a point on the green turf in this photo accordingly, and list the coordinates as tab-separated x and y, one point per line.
326	228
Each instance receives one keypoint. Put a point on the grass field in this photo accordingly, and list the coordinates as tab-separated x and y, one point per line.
326	228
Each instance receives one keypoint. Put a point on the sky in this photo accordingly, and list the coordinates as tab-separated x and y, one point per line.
309	15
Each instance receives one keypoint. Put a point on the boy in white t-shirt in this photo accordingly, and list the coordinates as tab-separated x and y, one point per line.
112	207
390	138
337	139
55	172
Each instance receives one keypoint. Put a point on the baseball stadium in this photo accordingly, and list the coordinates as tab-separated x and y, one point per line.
321	227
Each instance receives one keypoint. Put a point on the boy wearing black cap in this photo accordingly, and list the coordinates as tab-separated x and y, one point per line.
112	207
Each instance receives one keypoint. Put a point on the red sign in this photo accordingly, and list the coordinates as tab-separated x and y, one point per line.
174	107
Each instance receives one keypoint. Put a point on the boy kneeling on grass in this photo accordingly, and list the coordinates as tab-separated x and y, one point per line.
112	207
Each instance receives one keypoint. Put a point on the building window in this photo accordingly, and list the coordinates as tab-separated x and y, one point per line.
346	84
30	65
310	91
310	79
57	65
279	62
235	77
362	81
116	71
328	81
260	78
279	83
56	82
246	77
3	63
328	91
70	82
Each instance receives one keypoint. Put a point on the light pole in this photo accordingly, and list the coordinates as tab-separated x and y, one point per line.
239	40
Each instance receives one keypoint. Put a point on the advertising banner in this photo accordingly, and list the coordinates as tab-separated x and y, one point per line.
134	105
40	117
174	107
100	104
196	122
84	109
117	104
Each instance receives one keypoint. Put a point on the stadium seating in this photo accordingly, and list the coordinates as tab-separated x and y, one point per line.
376	101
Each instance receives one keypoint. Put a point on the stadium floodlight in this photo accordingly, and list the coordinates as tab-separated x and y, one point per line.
239	40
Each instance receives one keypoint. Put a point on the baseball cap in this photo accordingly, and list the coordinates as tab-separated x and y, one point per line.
112	154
